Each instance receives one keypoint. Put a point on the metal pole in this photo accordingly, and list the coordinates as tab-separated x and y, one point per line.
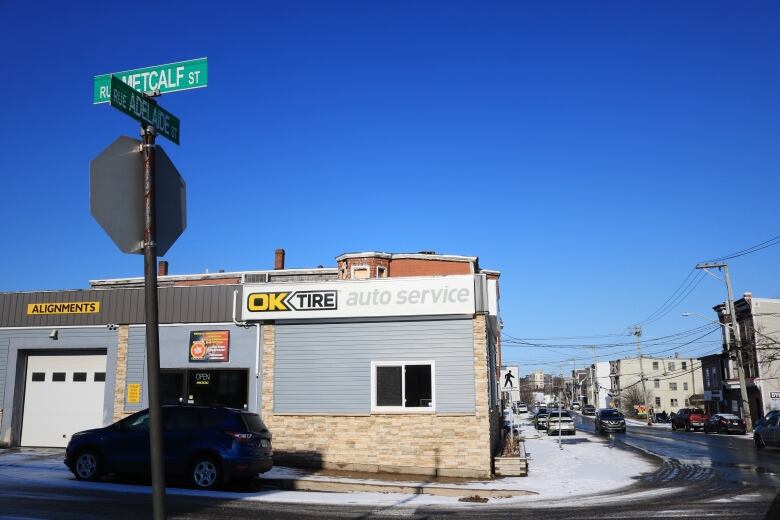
560	403
738	340
594	381
152	332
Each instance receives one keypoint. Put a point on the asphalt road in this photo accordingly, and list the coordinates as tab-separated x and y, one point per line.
699	476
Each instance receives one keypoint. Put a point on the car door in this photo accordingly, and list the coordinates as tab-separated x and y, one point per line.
127	450
773	431
180	424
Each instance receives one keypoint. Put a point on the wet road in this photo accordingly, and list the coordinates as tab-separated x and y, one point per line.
731	458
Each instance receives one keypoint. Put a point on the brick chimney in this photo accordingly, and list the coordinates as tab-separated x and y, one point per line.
279	259
162	268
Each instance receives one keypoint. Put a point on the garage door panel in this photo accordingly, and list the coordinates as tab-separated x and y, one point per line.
63	395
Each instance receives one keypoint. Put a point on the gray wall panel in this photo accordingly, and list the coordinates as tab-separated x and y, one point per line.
327	367
174	353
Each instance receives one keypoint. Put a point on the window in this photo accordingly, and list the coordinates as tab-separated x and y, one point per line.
79	377
658	401
687	402
684	365
58	377
37	377
399	386
656	383
672	386
100	376
674	403
655	365
360	272
381	272
671	366
685	386
137	422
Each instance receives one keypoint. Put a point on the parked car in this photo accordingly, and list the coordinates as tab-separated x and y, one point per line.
768	417
563	423
207	445
660	417
689	419
588	409
521	408
767	431
575	405
725	423
610	420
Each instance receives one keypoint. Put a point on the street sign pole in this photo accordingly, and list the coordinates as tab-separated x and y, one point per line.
152	330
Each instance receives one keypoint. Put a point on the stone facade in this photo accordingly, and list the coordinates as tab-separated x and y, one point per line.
459	445
121	373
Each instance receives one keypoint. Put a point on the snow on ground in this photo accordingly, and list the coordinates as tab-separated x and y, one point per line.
637	422
585	465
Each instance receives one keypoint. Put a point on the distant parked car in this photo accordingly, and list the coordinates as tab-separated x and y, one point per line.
725	423
660	417
521	408
560	422
575	405
540	419
767	431
689	419
610	420
209	445
588	409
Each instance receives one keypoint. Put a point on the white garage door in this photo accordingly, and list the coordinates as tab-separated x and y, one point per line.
63	395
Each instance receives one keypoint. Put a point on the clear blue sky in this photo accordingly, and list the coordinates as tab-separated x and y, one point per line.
591	151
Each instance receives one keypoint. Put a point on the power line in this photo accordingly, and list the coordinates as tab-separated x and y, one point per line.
752	249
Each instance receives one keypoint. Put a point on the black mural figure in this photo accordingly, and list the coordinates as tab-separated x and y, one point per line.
508	379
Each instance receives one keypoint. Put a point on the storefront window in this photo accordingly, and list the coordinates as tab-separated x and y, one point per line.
401	386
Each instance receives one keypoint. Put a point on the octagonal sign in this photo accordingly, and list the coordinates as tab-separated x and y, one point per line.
116	196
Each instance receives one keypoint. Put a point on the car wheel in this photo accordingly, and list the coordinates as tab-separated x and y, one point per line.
88	466
206	473
759	442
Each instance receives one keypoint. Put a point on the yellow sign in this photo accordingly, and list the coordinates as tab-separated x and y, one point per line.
133	393
63	308
267	302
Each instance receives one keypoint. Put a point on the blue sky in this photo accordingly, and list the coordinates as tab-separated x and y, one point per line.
590	151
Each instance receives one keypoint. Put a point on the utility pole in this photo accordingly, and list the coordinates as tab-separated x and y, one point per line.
560	403
574	379
737	339
638	333
594	380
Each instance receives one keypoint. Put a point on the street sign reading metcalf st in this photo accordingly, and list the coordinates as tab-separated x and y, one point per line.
134	104
171	77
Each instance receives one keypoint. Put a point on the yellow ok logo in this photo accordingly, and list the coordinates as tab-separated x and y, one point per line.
266	302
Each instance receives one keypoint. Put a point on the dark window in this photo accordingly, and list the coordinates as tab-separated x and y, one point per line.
139	421
388	386
58	376
39	376
180	419
254	423
79	377
100	376
418	386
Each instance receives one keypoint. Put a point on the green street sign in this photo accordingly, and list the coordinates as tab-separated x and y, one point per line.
134	104
171	77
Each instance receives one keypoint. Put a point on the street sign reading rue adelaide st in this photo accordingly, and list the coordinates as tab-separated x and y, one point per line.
171	77
134	104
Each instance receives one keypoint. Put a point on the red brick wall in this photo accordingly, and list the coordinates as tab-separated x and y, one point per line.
371	262
415	267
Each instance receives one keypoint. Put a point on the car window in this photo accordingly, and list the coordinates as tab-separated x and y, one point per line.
773	421
138	422
180	419
253	422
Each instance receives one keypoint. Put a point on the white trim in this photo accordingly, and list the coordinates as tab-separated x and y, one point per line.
404	409
368	254
446	258
205	276
383	268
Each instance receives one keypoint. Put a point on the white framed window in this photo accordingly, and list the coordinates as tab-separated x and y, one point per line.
360	272
674	403
381	272
658	401
656	383
684	365
403	386
655	365
671	366
685	386
687	402
672	386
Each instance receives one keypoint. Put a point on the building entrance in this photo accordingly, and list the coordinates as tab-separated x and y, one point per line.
219	387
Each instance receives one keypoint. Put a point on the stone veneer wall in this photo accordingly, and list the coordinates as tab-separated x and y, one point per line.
458	445
121	373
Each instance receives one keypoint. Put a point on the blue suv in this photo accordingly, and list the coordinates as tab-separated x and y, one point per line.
208	445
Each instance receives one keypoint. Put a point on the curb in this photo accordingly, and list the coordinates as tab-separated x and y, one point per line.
341	487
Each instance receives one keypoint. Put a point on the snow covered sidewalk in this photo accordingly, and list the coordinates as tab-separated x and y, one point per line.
585	465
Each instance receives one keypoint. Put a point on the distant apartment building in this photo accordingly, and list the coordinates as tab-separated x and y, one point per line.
671	383
596	385
538	380
759	325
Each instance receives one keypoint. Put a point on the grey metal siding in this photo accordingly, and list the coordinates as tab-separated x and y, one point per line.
326	368
202	304
174	353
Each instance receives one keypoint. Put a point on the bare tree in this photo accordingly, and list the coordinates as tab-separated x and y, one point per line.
631	397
